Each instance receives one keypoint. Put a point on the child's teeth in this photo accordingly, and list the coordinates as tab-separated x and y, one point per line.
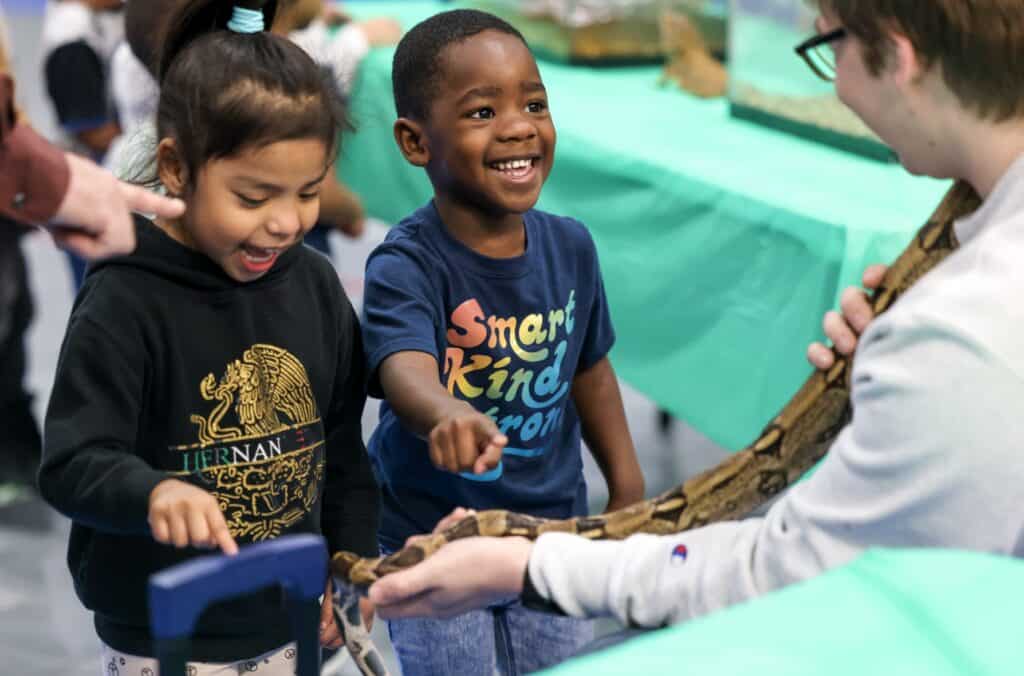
514	164
259	255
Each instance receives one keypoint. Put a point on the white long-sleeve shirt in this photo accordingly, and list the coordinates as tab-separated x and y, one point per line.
934	455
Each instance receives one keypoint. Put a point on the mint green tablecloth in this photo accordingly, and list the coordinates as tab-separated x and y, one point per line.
906	613
722	243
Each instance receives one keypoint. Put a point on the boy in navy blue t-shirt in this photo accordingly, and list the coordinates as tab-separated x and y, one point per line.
487	332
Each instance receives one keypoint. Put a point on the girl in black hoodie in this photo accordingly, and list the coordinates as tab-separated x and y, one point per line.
210	385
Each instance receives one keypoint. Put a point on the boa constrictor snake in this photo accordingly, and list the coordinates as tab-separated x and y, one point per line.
790	445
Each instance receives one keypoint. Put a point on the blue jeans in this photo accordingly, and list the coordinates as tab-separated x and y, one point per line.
506	640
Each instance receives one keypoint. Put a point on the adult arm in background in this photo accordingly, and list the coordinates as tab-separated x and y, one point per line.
34	175
84	206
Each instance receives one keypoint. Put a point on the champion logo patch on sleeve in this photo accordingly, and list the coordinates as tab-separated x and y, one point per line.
679	554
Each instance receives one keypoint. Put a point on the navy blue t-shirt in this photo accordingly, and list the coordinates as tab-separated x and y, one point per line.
509	336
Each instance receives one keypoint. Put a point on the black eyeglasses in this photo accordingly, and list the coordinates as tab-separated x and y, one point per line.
819	54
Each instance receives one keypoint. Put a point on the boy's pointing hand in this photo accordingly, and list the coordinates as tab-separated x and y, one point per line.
467	442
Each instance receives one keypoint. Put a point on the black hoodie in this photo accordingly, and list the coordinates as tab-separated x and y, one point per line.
252	391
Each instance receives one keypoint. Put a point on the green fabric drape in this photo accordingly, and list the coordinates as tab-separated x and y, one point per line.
906	612
722	243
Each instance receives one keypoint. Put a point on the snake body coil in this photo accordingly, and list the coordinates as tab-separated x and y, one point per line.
791	444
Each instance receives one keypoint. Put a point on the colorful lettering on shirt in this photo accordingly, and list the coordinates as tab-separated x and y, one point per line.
492	361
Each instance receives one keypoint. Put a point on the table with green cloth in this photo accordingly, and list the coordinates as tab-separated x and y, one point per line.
906	612
722	243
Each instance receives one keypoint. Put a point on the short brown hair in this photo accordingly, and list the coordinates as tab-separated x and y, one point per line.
978	44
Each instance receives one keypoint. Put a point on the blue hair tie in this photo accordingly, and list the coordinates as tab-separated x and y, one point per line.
246	20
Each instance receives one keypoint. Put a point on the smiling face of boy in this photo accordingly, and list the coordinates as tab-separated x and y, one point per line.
490	137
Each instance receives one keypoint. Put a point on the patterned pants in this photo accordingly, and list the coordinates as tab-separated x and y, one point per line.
280	662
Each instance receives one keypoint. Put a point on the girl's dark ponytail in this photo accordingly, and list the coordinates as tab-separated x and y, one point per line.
191	19
224	91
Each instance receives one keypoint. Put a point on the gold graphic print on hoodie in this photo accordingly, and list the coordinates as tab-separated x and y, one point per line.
260	449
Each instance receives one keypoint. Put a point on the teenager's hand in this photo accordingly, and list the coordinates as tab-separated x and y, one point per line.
182	515
463	575
466	442
843	330
457	515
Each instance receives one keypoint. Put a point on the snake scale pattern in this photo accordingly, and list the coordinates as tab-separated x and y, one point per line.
790	445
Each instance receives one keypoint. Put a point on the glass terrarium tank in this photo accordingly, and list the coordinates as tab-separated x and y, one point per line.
598	32
771	85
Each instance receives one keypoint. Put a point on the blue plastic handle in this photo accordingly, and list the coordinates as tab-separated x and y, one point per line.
178	595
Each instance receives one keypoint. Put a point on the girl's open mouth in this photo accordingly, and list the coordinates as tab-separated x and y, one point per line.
255	259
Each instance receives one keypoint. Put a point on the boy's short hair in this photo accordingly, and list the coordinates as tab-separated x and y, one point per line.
977	44
416	71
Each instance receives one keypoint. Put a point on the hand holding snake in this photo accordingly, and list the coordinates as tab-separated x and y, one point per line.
792	442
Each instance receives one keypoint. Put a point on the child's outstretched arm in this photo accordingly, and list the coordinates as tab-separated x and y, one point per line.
595	392
402	310
460	438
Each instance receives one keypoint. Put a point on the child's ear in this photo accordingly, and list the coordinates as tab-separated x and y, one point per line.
412	141
170	168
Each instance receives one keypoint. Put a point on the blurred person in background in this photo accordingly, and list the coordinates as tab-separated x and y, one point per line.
78	40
